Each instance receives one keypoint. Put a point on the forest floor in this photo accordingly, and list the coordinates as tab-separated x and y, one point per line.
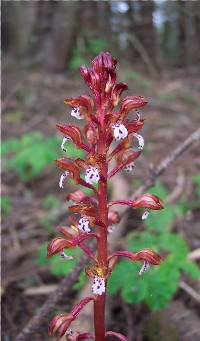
32	101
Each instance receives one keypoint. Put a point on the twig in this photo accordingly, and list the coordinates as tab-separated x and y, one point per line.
144	55
190	291
178	189
71	278
41	290
194	255
166	162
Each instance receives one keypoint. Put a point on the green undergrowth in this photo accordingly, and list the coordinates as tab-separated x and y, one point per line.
30	154
157	286
61	267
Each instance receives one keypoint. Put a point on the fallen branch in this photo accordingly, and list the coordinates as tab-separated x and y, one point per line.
166	162
71	278
187	288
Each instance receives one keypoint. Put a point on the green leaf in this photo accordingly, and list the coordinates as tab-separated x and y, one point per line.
191	269
32	153
162	284
159	189
173	243
161	220
5	206
135	292
137	241
122	276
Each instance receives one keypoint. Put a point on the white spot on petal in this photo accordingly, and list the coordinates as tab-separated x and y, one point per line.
145	215
119	131
83	224
92	175
63	255
129	167
98	287
76	113
144	267
62	178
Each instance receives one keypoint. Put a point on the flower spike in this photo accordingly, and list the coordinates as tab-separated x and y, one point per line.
107	120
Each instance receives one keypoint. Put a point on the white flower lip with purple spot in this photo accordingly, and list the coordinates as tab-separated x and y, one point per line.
144	267
62	178
83	224
145	215
92	175
66	138
129	167
119	131
76	113
98	287
140	140
64	256
111	228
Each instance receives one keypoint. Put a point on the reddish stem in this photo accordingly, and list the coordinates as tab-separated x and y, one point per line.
99	303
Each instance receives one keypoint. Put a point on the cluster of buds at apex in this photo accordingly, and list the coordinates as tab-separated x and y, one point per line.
60	323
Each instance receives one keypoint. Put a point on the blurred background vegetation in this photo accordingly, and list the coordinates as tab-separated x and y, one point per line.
61	35
158	48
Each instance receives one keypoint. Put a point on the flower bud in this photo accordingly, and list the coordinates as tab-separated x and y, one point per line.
78	197
117	92
57	245
148	201
113	217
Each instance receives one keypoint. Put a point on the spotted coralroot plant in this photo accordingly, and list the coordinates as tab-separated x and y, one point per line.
108	133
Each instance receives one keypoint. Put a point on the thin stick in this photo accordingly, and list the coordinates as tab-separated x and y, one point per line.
71	278
166	162
187	288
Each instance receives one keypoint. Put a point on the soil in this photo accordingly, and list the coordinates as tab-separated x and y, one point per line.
171	116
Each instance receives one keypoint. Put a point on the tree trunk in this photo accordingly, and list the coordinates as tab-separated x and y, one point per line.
63	34
17	23
182	50
146	29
